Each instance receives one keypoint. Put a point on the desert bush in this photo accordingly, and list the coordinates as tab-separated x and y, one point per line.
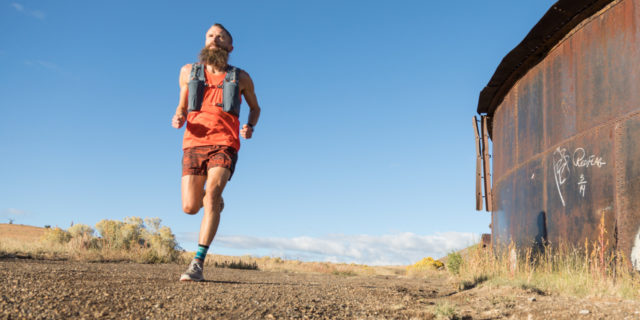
162	245
56	236
445	310
454	261
153	245
109	231
427	263
237	265
122	235
424	268
83	241
119	240
79	230
153	224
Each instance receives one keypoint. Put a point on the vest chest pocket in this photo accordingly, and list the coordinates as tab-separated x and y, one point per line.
231	97
196	94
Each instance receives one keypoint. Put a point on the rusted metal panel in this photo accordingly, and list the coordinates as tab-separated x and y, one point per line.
605	59
628	186
566	140
503	212
504	144
580	189
528	203
559	103
529	118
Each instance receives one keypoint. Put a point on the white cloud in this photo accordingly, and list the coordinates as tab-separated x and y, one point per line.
394	249
38	14
33	13
17	6
43	64
12	212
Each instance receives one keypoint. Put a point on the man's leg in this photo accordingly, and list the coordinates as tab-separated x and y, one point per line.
216	181
192	193
221	162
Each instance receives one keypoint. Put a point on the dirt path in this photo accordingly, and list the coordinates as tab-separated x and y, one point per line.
36	289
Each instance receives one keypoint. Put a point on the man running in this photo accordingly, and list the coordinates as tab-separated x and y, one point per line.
210	97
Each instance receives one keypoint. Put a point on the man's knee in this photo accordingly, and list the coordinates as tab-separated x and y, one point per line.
212	197
190	208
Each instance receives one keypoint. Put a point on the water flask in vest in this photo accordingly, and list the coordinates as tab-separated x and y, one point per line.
230	90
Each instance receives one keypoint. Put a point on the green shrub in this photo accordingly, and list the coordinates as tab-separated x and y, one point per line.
454	262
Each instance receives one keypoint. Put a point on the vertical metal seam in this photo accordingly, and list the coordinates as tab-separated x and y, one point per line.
619	186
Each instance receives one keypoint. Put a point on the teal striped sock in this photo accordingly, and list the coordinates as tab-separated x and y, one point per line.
202	252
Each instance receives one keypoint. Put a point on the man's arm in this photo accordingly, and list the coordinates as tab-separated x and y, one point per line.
181	111
248	91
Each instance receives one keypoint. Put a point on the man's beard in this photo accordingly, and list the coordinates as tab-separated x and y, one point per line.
216	57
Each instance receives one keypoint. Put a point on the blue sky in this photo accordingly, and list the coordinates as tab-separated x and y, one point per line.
364	151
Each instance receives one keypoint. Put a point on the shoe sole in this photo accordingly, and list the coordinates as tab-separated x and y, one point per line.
191	280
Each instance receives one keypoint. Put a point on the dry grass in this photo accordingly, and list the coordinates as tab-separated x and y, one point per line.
591	271
20	232
40	243
554	271
279	265
127	241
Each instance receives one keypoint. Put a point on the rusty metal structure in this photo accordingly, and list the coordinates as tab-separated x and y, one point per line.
563	114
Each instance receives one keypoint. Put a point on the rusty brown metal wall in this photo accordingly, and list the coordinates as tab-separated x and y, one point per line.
566	140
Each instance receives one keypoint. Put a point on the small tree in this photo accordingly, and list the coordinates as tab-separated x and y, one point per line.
153	224
79	230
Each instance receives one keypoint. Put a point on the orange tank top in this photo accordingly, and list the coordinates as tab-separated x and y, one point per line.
211	126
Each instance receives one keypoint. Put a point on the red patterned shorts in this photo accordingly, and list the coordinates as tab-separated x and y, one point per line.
198	160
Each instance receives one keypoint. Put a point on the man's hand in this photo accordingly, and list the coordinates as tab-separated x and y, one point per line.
178	120
246	131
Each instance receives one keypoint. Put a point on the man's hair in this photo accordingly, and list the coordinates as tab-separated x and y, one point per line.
225	30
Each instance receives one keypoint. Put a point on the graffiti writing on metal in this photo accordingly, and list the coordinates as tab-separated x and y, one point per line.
561	169
581	160
562	163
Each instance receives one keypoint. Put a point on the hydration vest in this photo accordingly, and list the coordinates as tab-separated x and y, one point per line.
230	90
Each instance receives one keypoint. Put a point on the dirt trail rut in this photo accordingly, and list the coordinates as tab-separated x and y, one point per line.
37	289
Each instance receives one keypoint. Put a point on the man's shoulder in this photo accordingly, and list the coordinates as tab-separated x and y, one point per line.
187	67
242	73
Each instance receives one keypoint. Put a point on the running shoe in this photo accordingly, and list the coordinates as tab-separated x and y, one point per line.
194	272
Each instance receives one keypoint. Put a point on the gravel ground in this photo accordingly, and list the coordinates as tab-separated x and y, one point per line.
40	289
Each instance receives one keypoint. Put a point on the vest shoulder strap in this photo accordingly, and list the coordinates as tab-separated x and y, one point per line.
232	74
197	71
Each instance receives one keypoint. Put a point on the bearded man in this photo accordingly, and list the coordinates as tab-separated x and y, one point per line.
210	97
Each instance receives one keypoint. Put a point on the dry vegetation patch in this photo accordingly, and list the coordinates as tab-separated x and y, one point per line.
20	232
133	239
144	240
